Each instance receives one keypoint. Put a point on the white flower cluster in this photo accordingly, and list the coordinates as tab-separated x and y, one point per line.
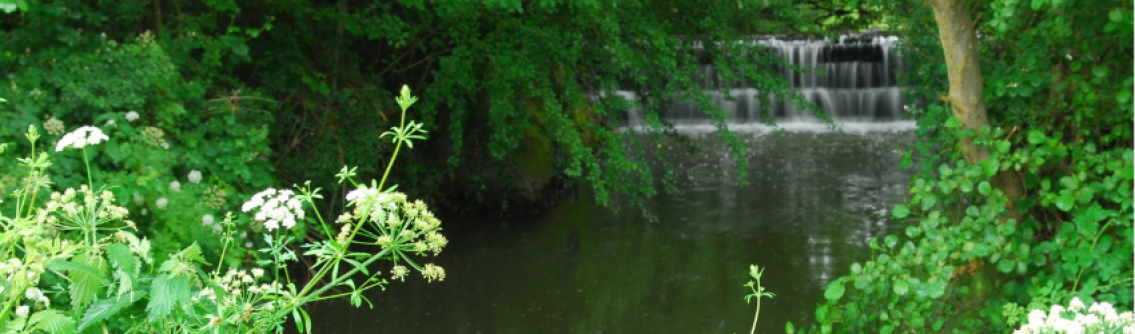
34	294
132	116
1100	318
81	137
175	186
275	208
371	200
194	176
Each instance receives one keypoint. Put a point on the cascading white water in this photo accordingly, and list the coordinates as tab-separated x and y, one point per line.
852	80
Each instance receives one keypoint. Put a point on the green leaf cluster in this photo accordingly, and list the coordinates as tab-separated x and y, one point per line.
973	258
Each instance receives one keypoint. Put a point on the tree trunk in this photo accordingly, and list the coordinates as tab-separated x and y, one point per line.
959	43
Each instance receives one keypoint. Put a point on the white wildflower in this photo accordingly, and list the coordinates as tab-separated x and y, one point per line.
175	186
275	208
1076	305
248	245
162	202
32	293
138	199
110	123
257	272
165	145
131	116
22	311
207	220
81	137
194	176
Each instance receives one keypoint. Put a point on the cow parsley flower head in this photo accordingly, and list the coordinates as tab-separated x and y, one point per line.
53	126
1076	305
207	220
131	116
194	176
370	201
81	137
275	208
162	202
22	311
175	186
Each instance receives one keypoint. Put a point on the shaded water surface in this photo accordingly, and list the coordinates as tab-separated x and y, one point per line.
812	200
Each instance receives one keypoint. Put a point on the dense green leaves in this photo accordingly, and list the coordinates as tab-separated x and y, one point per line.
1060	124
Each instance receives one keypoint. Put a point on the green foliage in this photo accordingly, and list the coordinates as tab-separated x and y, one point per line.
227	80
103	276
66	64
1061	114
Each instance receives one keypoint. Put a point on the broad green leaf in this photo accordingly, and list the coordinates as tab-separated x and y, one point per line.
1003	147
121	258
789	328
901	211
1065	202
990	167
901	287
1115	15
984	188
105	308
166	293
834	291
51	321
966	186
891	240
953	122
856	268
1100	71
913	231
85	284
70	266
1036	137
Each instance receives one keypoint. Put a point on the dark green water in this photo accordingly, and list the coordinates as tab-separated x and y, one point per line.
813	200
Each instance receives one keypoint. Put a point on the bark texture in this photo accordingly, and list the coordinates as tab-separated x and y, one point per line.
959	43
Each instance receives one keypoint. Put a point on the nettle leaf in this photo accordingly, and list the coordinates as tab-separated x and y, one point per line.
166	293
51	321
126	266
105	308
85	284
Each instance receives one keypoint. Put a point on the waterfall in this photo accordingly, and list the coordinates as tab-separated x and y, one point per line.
852	79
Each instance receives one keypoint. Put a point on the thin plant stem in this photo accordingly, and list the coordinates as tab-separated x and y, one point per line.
758	315
86	162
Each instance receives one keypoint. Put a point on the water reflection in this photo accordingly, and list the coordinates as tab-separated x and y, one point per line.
812	200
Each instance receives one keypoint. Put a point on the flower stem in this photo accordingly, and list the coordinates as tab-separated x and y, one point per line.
88	164
758	315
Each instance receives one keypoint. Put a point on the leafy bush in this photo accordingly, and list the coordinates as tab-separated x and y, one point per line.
1059	101
168	145
76	264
